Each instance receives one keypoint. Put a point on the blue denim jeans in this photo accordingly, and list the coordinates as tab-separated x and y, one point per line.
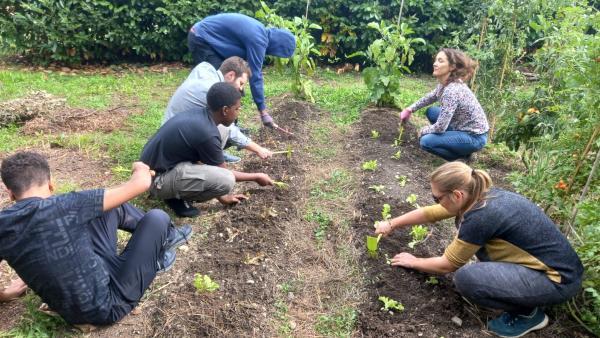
510	287
451	144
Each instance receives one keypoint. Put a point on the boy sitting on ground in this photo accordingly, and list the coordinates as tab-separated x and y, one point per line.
64	247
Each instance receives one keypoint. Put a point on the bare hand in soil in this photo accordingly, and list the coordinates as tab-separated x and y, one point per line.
264	153
13	290
404	260
232	199
263	180
383	227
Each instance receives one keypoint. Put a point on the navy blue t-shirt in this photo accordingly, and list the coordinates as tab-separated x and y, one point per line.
187	137
46	241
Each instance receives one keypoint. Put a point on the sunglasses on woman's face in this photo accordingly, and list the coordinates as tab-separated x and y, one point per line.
437	199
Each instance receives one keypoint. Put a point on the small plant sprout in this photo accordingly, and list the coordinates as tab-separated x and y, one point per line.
280	185
390	304
388	260
203	283
374	134
386	212
418	233
370	165
401	180
397	155
412	200
378	188
432	281
373	243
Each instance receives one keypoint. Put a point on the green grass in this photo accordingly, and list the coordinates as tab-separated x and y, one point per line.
36	324
339	324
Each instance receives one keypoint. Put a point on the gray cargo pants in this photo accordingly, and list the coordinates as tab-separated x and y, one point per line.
193	182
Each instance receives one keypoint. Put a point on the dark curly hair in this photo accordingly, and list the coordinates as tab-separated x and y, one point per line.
220	95
23	170
464	66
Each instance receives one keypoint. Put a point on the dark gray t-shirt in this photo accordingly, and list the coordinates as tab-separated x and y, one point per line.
46	241
187	137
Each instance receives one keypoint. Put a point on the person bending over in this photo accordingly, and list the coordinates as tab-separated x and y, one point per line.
217	37
64	247
525	262
458	126
187	155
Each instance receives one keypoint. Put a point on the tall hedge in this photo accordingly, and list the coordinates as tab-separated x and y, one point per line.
76	31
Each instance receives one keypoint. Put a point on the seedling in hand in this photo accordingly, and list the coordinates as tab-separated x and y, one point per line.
203	283
280	185
386	212
418	234
390	304
370	165
378	188
401	180
374	134
412	200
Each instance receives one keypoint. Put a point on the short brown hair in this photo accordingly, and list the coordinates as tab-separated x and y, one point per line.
235	64
24	170
464	66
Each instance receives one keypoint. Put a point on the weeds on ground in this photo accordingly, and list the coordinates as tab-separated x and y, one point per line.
37	324
338	324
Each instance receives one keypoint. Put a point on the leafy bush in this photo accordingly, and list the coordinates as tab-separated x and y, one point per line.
390	55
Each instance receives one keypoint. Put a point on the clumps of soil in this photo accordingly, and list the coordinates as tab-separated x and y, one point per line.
41	112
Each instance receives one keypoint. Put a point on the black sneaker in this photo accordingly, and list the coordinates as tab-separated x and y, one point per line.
177	236
182	208
166	261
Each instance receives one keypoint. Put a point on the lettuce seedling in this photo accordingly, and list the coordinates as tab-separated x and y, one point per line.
418	234
386	212
370	165
203	283
374	134
390	304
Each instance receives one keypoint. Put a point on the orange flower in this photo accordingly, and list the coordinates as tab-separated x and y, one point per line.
561	185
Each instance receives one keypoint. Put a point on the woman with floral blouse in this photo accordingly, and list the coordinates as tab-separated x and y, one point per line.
458	126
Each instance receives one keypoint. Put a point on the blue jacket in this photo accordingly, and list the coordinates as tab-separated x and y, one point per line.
232	34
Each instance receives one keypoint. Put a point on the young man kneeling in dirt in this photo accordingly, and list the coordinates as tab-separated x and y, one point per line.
64	247
187	156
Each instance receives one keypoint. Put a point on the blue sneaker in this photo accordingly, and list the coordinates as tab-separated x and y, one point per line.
177	236
230	158
512	326
166	261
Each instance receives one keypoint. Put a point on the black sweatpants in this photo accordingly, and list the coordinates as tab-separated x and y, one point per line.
132	271
202	52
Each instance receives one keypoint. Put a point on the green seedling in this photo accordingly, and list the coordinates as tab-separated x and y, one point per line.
412	200
418	233
432	281
397	155
370	165
401	180
390	304
373	243
203	283
374	134
378	188
281	185
386	212
288	152
388	260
